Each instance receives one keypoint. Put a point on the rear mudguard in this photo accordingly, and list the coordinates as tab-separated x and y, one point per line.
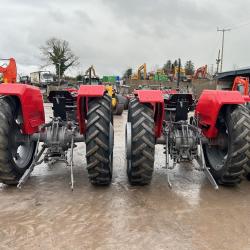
155	98
31	102
84	93
209	106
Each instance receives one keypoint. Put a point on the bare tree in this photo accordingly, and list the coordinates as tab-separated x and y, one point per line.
128	73
167	67
189	68
58	53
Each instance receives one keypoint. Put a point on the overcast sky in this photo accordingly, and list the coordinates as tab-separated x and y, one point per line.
116	34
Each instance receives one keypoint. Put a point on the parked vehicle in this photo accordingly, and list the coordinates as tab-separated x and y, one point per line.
41	78
84	115
213	131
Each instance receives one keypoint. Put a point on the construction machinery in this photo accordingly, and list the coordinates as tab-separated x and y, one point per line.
83	115
237	83
160	76
8	71
118	100
139	75
201	73
214	132
241	84
179	71
90	77
120	88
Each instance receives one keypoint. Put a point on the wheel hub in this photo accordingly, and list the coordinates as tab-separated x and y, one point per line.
21	147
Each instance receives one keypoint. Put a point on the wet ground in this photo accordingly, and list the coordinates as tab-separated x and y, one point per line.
46	214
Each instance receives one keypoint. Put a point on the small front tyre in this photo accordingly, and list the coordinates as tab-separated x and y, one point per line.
120	102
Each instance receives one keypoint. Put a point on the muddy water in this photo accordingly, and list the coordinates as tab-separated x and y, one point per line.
45	214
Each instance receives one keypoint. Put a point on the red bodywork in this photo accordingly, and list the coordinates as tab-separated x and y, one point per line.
241	81
170	91
10	71
71	90
31	102
83	94
155	98
209	106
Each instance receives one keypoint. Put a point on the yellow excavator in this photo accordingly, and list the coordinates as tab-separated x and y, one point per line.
182	73
118	101
138	75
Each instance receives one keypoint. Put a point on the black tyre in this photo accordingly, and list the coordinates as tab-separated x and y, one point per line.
227	163
99	140
126	102
140	143
247	166
120	101
16	151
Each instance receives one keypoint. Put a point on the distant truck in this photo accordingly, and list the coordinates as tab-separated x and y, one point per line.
41	78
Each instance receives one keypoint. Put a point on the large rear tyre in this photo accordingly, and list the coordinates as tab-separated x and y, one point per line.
227	162
100	140
16	150
140	143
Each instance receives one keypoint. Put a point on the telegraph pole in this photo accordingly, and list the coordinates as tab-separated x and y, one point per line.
222	46
218	63
179	74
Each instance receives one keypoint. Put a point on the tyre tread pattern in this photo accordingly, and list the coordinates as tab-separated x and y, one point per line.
99	163
239	158
143	143
8	173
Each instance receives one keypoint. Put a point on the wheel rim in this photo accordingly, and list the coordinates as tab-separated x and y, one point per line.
128	145
111	146
217	155
22	148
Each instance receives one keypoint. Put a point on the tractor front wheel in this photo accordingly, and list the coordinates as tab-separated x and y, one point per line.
120	101
227	162
100	140
126	102
140	143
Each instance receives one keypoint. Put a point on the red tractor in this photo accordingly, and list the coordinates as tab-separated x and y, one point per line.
213	131
84	115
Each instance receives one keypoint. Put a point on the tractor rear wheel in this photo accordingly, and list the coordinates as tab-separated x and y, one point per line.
140	143
100	140
16	150
227	162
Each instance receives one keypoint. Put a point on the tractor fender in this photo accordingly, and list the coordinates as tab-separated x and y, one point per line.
84	93
155	98
31	102
209	106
